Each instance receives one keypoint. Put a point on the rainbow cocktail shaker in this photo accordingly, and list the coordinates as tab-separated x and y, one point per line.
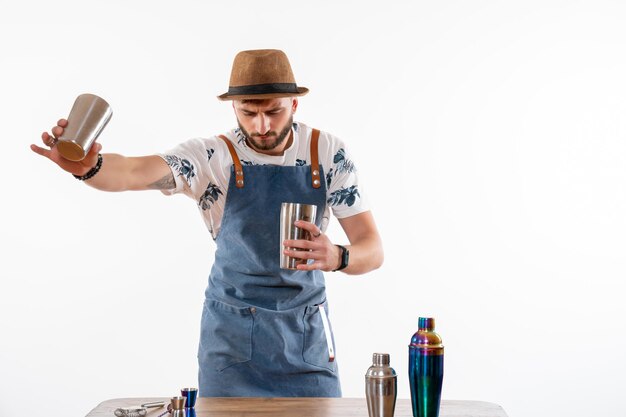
426	369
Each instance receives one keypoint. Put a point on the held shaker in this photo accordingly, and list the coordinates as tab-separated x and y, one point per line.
289	213
381	387
426	369
89	115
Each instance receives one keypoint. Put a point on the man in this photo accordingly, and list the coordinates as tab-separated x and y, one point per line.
265	330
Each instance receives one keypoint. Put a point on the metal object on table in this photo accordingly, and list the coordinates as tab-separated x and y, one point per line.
426	369
190	394
289	213
137	411
166	412
89	115
381	384
178	406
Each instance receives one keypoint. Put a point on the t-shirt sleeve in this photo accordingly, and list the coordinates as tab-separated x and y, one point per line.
344	193
189	162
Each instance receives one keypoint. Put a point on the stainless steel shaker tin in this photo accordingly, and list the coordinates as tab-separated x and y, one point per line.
89	115
381	384
289	213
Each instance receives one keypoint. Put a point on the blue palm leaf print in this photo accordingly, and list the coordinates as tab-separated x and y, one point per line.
209	154
329	177
346	196
182	166
241	138
342	163
247	163
210	196
300	162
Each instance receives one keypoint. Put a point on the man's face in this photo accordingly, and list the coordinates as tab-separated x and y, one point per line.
266	123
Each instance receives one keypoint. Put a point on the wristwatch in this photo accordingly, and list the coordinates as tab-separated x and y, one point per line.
345	257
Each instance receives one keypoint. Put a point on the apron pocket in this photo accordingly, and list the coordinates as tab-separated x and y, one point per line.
226	335
317	348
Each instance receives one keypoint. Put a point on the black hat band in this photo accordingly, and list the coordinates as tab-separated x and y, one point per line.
263	89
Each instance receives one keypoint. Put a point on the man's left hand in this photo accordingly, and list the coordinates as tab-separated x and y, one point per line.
326	256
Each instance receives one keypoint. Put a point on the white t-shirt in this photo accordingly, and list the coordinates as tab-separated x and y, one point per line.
201	168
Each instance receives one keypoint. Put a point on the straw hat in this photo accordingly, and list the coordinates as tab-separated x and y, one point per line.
261	74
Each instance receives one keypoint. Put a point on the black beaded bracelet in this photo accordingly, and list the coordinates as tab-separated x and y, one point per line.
93	171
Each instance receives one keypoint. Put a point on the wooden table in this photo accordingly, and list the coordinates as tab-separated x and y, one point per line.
299	407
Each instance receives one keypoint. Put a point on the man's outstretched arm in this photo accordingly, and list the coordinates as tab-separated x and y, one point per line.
118	172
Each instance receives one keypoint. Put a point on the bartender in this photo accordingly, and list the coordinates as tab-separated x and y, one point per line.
264	330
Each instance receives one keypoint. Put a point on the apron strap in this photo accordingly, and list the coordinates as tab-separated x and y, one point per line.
315	164
236	162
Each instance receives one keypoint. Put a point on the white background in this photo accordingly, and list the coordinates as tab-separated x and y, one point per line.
491	136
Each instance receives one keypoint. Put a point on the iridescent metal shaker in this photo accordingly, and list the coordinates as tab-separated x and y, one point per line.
426	369
381	387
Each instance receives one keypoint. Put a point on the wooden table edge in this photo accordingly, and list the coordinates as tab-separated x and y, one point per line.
133	401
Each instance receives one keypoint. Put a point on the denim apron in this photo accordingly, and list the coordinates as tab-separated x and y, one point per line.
262	330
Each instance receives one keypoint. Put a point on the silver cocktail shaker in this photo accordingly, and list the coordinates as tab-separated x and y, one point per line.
89	115
381	384
289	213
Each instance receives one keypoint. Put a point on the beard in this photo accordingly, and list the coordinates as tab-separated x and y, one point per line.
267	144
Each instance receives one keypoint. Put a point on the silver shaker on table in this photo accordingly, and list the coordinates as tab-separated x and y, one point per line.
381	384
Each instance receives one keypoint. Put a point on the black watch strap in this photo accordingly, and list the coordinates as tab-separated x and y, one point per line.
345	258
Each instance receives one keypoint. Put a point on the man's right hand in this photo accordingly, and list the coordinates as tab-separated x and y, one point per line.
52	153
118	172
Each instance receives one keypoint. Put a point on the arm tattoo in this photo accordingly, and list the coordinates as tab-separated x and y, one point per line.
165	183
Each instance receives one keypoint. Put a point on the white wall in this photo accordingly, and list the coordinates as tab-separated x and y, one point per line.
491	136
